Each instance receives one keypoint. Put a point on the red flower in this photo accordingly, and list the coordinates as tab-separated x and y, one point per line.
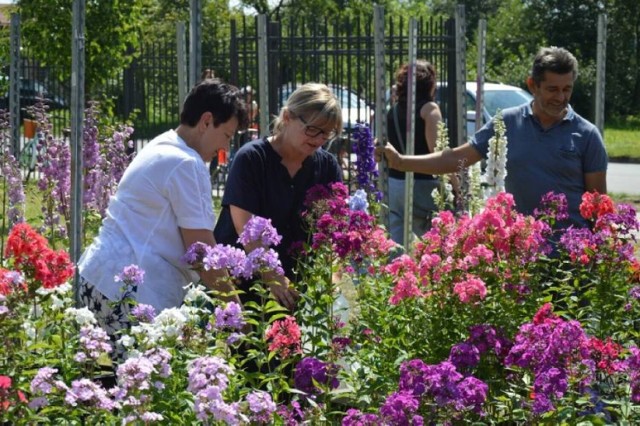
285	336
544	313
5	394
31	255
594	205
605	354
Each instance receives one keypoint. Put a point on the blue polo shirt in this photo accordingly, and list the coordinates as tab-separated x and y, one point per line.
260	184
539	160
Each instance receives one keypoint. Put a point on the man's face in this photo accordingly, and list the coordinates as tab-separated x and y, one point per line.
551	97
219	137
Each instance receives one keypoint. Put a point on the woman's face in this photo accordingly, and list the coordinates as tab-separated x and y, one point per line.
309	136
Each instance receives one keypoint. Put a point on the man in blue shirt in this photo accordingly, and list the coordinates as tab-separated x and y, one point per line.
550	146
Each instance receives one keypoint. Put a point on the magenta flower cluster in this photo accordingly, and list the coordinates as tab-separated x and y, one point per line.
346	232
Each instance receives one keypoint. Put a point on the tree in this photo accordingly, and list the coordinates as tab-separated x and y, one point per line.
111	34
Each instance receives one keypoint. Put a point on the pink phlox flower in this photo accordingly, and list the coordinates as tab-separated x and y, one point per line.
406	288
470	290
284	337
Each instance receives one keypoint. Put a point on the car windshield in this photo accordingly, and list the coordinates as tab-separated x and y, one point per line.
501	99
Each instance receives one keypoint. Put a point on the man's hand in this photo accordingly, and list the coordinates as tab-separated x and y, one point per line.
392	156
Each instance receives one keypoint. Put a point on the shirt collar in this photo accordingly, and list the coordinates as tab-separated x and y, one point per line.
527	111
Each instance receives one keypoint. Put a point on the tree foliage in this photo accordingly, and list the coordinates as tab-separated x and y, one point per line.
111	33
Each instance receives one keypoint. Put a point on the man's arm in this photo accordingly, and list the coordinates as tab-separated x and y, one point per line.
596	181
438	163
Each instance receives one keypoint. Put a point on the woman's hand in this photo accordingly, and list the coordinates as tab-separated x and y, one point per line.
393	157
281	290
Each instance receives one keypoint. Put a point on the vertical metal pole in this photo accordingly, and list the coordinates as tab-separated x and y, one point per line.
14	85
181	42
381	110
600	71
460	76
411	130
77	118
263	75
482	52
195	42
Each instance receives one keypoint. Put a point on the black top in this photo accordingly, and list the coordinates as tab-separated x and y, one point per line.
260	184
420	144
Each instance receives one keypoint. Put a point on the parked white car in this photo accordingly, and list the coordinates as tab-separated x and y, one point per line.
496	97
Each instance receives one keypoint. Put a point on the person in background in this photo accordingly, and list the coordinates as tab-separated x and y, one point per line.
270	177
550	146
162	206
427	117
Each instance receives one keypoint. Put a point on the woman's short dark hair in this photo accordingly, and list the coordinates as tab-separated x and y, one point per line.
425	81
554	59
212	95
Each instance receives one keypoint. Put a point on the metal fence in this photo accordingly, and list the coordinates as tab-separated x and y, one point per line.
332	51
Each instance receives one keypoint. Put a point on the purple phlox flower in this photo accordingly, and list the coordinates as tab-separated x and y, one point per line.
261	407
634	292
464	356
15	190
311	372
413	377
208	379
161	359
131	275
88	393
260	230
143	313
223	256
135	373
473	393
399	409
261	259
42	383
229	317
485	337
209	375
94	341
195	254
553	206
357	418
632	365
624	220
366	166
293	415
358	201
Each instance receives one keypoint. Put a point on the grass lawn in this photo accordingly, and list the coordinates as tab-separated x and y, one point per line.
623	143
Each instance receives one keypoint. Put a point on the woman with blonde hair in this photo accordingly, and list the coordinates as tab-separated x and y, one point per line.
269	177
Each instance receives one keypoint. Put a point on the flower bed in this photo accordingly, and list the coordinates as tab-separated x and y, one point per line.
492	318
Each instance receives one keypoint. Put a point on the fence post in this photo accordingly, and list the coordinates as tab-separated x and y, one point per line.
461	122
181	41
263	75
600	71
381	113
411	130
195	42
77	117
14	85
482	49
